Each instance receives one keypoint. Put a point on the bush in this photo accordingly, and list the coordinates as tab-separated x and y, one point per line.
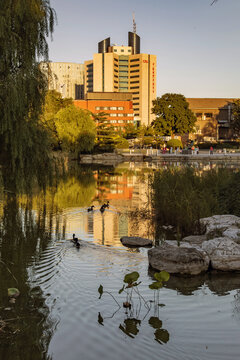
174	143
181	197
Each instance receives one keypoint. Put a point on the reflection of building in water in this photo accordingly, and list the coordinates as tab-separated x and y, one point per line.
126	191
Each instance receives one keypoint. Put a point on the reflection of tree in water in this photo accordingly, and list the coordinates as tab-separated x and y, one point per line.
23	234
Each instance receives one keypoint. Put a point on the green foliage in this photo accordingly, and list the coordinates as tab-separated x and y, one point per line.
180	197
13	292
24	24
53	103
76	129
172	115
174	143
130	131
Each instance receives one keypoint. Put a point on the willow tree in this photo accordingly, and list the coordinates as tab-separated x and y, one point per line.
24	28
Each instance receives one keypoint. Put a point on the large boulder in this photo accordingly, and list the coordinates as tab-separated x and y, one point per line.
182	260
224	253
219	223
135	241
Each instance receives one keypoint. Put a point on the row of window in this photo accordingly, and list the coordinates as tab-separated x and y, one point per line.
121	115
206	115
122	50
109	108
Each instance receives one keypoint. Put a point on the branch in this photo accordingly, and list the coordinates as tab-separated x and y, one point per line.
214	1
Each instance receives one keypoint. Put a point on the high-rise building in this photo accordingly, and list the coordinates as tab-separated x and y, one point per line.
124	69
66	78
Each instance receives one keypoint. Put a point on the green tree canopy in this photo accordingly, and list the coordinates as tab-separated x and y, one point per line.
235	125
52	104
76	129
24	26
172	115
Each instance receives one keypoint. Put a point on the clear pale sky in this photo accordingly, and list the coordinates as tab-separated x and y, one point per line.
197	45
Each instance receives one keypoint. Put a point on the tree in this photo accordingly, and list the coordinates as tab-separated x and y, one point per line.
76	129
25	24
173	115
235	125
52	104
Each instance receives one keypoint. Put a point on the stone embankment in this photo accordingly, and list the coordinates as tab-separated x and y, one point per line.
218	248
151	155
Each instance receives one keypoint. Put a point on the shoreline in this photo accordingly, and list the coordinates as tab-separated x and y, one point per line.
113	158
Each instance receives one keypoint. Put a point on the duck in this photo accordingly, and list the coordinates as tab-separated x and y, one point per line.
75	241
106	205
102	208
90	208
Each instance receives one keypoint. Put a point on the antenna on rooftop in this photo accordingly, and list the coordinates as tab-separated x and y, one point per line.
134	24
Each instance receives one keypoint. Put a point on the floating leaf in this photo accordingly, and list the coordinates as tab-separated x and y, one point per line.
155	322
161	336
156	285
100	319
121	290
162	276
13	292
131	278
100	290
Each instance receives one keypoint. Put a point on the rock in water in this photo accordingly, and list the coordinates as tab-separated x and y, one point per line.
224	253
135	241
178	260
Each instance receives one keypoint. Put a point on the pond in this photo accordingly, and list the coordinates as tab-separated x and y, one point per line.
59	315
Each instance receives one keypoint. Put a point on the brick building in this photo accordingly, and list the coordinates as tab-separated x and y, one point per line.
118	107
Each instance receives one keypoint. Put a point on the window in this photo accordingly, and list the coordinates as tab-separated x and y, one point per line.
120	108
134	82
135	65
198	115
113	114
208	115
134	76
136	114
120	115
97	108
129	114
134	87
135	92
137	103
120	121
134	71
134	60
115	50
122	50
113	108
129	50
135	98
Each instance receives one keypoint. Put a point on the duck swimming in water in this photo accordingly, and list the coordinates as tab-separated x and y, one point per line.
76	241
90	208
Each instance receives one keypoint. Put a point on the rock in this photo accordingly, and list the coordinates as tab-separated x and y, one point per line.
224	253
219	223
135	241
195	239
182	260
233	233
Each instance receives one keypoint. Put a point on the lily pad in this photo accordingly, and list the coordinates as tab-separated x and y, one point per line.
131	278
156	285
162	276
155	322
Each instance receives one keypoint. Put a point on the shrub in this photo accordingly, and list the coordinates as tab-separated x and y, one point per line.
174	143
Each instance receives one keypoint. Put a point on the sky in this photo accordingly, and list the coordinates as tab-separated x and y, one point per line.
197	45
